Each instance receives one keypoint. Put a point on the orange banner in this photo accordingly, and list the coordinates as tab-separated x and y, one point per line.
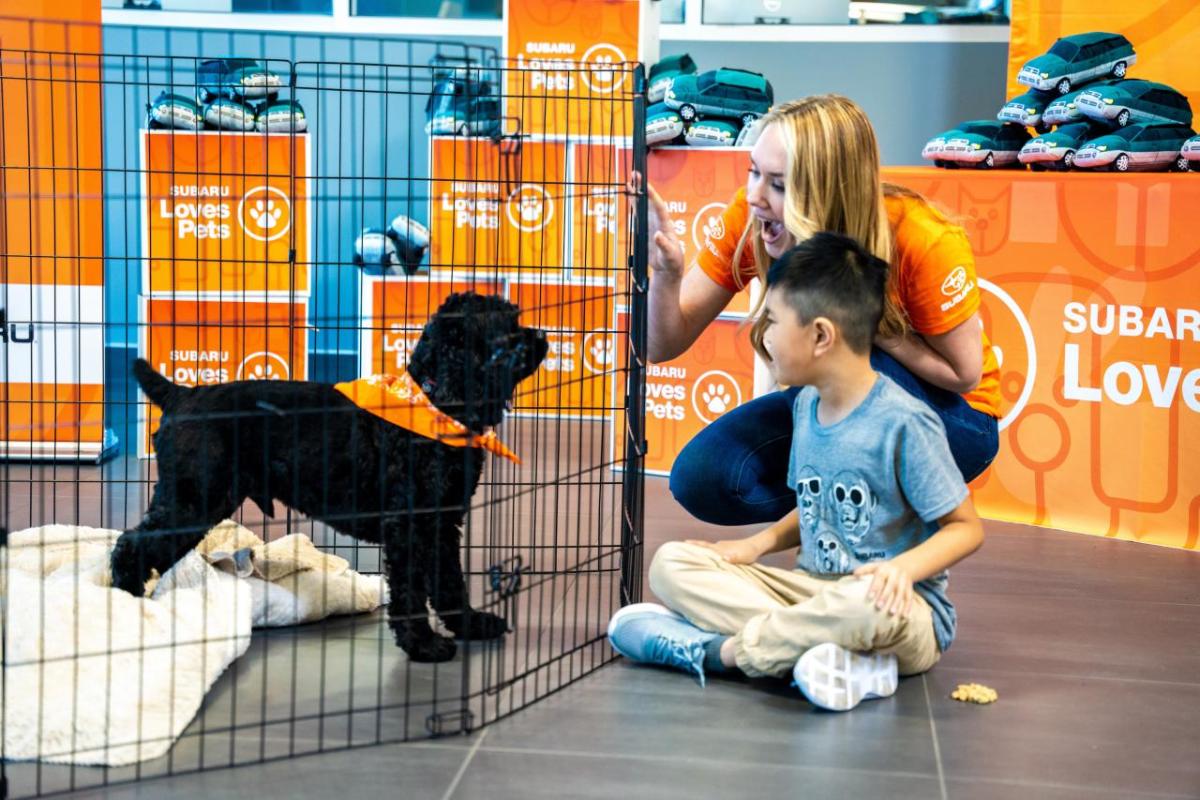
1088	297
599	210
685	395
225	212
51	231
203	342
575	381
697	185
1165	35
394	311
504	209
569	65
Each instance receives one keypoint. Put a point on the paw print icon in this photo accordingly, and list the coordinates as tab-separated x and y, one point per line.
265	213
263	366
599	352
715	393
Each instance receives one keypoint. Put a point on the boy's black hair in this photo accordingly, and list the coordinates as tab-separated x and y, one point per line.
831	275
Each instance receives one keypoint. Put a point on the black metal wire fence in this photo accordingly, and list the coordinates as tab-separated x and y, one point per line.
259	230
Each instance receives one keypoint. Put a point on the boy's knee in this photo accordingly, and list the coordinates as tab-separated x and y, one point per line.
671	559
848	600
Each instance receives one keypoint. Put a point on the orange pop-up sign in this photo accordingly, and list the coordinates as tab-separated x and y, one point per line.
503	209
697	185
224	212
204	342
395	312
569	64
575	379
685	395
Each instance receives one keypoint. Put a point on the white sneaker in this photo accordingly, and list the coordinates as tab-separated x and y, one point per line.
835	678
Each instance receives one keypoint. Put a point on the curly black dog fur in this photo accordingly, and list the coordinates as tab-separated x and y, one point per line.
309	446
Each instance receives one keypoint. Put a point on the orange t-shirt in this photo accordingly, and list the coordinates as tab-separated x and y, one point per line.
934	277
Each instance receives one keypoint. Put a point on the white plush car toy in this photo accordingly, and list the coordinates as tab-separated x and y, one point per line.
1190	153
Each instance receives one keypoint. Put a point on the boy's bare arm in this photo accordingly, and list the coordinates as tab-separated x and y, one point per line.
892	581
961	534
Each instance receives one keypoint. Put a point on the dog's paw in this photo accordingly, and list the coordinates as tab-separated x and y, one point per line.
128	581
429	651
476	625
126	575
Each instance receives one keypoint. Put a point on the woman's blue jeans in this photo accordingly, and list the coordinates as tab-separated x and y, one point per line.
734	472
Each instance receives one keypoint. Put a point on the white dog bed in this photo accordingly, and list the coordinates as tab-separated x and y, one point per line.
94	676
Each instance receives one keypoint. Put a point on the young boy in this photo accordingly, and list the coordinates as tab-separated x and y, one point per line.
882	512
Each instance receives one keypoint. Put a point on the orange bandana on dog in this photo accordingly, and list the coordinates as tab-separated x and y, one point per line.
399	400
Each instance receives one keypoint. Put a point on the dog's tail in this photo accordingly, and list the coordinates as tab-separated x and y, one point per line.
161	391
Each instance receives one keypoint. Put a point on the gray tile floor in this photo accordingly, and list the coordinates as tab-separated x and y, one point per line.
1093	645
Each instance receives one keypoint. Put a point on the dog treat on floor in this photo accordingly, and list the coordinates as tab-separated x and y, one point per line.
975	693
311	447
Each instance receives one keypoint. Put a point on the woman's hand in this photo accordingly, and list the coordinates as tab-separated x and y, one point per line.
666	252
891	587
735	551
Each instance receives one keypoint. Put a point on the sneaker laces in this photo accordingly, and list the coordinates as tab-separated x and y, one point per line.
688	656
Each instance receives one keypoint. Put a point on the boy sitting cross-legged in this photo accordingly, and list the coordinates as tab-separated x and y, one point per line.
882	512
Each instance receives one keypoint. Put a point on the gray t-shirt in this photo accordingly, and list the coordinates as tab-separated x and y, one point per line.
872	486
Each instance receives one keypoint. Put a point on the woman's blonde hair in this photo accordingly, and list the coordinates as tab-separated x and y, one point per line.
832	184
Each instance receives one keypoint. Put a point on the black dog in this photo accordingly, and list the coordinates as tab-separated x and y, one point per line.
309	446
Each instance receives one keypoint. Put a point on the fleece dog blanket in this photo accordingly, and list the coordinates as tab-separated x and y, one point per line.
95	676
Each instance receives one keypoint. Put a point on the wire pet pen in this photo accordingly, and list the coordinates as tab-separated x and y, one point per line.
251	220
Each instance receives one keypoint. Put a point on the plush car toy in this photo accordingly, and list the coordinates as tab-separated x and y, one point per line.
1057	150
1190	153
933	148
728	93
749	134
1075	60
457	99
712	133
1134	101
1137	148
174	111
663	125
237	78
283	117
229	115
375	251
664	73
983	144
411	240
1065	109
1026	109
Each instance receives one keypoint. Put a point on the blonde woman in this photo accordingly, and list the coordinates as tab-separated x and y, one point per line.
815	167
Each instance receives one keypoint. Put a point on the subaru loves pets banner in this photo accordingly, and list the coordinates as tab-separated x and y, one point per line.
1165	35
204	341
564	63
51	232
1089	296
225	212
497	207
697	185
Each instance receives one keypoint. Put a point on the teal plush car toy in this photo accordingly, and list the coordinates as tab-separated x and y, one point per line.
1026	109
663	74
1056	150
1134	101
1136	148
1074	60
981	143
729	93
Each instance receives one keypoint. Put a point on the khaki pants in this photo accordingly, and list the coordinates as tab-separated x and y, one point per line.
774	615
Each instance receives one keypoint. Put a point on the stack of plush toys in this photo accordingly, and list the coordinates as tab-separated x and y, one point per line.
402	247
711	109
232	94
1085	114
